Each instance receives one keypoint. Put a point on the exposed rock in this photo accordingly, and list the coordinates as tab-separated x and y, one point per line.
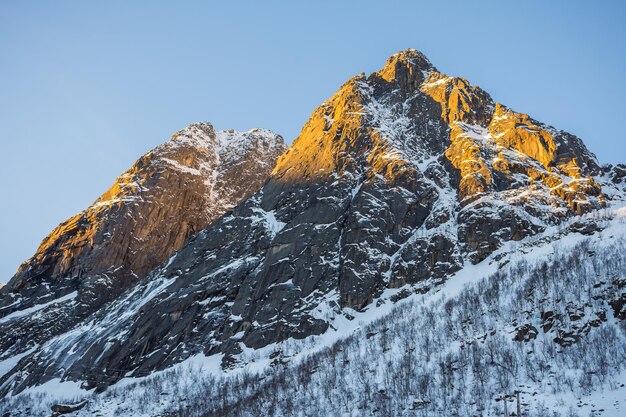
399	179
68	408
169	194
617	173
525	333
619	306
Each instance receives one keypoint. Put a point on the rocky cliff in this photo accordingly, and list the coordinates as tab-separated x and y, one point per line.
169	194
400	179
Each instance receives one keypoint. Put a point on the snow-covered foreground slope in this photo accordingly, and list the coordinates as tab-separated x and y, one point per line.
542	317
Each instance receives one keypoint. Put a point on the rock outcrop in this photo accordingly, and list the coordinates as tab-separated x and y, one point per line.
168	195
398	180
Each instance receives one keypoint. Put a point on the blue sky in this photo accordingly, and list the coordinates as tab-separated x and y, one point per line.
87	87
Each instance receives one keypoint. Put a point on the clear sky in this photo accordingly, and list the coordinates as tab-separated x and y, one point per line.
87	87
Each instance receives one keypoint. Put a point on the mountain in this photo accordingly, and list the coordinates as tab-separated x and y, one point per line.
400	181
538	325
170	193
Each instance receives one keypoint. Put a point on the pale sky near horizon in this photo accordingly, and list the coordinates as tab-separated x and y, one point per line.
86	88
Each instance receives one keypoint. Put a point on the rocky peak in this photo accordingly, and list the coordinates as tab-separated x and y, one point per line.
408	68
399	180
386	103
168	195
198	131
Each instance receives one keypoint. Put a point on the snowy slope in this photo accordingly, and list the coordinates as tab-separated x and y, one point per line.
454	351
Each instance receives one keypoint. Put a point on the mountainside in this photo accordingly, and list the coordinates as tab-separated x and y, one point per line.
169	194
399	181
539	326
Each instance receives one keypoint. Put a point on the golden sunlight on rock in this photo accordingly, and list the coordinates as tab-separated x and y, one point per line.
168	195
328	134
459	100
517	131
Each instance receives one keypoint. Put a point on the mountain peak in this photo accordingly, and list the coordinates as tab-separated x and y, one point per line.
395	183
412	57
232	137
196	129
169	194
409	64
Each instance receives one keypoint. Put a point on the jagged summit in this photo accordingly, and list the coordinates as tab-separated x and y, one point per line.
191	179
408	66
410	57
195	130
169	194
204	134
490	145
401	179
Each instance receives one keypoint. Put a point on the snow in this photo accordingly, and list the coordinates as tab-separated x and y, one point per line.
343	324
533	253
231	143
9	363
182	168
342	327
438	82
57	389
68	347
214	152
35	308
394	126
268	218
273	224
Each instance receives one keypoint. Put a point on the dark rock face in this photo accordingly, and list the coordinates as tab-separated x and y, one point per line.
169	194
483	228
618	173
398	179
59	409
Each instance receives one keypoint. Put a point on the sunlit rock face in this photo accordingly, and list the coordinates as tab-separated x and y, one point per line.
400	179
168	195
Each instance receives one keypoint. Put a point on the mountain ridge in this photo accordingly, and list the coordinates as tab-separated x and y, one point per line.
398	181
169	194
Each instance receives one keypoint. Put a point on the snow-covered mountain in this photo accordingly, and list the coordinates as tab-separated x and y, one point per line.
403	186
539	324
170	193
